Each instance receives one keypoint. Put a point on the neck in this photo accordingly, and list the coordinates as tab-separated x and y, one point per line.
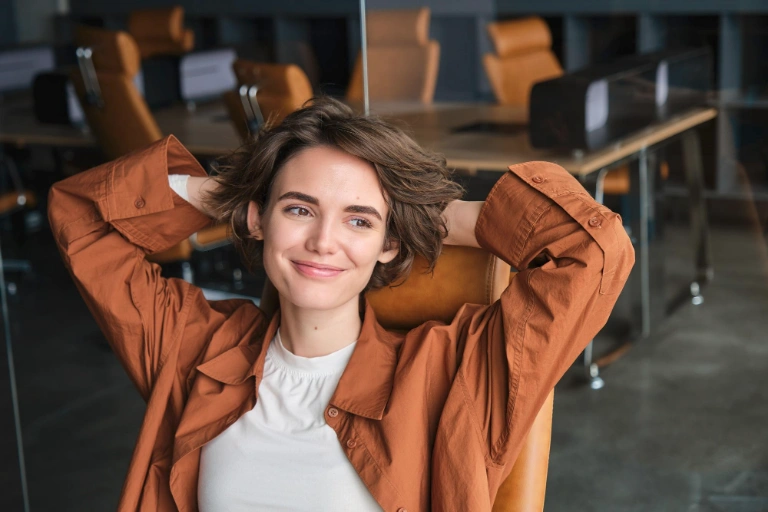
315	333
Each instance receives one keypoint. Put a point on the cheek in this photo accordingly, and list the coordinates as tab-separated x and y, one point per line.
365	252
279	234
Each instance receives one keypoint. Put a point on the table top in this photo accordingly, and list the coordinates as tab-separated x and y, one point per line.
207	132
472	150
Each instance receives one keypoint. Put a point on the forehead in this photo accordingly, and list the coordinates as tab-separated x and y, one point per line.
332	176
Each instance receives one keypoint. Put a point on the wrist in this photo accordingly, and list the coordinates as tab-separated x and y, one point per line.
197	188
460	219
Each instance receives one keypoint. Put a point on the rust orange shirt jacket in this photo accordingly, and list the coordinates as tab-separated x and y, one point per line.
437	415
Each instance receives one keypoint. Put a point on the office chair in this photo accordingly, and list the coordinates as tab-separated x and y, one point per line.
161	31
121	120
266	93
463	275
402	60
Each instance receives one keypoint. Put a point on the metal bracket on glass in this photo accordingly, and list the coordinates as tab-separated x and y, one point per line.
90	80
253	116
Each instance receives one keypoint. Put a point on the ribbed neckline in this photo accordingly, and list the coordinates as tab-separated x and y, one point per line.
331	364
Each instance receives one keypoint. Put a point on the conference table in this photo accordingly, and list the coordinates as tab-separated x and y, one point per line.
476	137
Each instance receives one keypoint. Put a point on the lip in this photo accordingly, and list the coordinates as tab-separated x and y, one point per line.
311	269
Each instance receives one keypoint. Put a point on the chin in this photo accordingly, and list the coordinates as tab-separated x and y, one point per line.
317	298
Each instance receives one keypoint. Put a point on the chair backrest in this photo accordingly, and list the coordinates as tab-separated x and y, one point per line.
161	31
402	61
124	122
523	57
282	88
463	275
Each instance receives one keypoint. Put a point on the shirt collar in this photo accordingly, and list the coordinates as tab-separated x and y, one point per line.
245	360
365	386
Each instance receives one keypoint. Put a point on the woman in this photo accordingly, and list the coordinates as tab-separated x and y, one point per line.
320	408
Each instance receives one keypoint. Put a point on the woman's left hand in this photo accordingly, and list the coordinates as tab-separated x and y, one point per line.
460	219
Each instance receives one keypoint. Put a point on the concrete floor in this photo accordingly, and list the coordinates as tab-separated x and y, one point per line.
682	424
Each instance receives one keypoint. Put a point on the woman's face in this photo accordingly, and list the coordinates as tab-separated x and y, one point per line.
323	229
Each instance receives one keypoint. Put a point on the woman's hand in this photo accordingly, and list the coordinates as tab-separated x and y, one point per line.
196	189
460	219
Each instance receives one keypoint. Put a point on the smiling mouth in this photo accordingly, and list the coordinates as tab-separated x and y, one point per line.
310	269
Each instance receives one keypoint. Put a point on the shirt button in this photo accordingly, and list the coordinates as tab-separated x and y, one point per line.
139	203
537	179
351	443
333	412
595	222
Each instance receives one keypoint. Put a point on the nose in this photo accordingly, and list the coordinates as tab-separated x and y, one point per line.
323	238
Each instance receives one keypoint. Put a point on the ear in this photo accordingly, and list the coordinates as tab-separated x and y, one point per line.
389	251
254	221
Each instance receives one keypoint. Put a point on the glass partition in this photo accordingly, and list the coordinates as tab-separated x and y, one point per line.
659	112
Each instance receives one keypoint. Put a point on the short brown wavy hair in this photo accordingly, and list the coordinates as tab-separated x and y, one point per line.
416	183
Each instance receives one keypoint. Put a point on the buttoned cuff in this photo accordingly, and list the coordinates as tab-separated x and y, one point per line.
508	217
139	202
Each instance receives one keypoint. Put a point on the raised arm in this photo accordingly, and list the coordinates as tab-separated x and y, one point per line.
573	258
104	222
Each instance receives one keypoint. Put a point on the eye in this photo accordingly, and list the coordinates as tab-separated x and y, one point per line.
359	222
298	211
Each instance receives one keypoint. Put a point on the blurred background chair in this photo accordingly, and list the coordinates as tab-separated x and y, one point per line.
161	31
266	93
121	120
523	57
463	275
402	61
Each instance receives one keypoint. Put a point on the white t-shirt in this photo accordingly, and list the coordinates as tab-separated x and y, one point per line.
281	455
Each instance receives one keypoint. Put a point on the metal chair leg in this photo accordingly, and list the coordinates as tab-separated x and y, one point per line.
699	222
591	370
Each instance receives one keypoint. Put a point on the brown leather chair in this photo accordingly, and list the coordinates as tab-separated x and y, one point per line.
161	31
402	60
463	275
524	57
121	120
281	89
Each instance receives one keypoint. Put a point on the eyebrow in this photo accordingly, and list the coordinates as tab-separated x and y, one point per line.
355	208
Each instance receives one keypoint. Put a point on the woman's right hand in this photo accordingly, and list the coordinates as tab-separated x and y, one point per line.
196	189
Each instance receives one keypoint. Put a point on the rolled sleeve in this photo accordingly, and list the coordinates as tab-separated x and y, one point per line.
521	197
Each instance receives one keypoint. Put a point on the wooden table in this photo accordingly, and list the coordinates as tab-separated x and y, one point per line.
435	128
207	132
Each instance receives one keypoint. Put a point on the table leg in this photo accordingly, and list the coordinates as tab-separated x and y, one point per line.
699	223
644	253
